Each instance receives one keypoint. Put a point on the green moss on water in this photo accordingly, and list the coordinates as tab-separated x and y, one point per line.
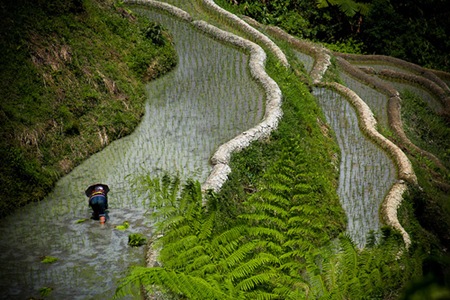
49	260
123	226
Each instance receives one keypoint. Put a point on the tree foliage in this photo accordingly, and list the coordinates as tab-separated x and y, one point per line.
416	31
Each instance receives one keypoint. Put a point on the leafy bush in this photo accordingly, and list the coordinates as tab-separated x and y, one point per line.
136	240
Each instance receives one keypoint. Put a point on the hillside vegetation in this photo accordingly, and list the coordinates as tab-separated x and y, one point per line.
72	81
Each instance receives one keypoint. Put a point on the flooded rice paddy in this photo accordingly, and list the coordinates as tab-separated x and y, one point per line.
366	172
208	99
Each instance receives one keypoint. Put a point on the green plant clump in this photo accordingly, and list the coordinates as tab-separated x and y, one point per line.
124	226
136	240
45	291
49	260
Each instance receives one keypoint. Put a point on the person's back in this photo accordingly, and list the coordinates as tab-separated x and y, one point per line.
98	201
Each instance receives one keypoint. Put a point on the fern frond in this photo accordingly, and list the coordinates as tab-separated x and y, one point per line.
171	255
170	222
246	269
292	268
206	270
272	209
331	273
266	195
299	231
191	254
171	235
227	242
262	218
300	220
207	227
240	254
273	247
305	209
263	279
265	233
294	254
198	263
285	180
317	287
191	287
349	255
300	198
302	188
261	295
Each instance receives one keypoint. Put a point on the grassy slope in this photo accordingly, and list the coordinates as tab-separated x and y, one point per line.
72	81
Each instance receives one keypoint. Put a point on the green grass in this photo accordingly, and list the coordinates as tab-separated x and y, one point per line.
425	129
72	76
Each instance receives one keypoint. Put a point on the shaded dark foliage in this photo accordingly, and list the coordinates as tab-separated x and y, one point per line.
416	31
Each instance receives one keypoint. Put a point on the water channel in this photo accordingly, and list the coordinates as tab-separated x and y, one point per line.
208	99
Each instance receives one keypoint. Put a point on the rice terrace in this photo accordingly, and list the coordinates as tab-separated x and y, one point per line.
260	165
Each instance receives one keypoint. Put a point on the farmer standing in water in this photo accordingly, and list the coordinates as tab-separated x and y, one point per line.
98	201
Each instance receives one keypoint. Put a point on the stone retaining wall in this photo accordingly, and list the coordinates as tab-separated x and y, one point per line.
423	82
273	113
321	55
167	8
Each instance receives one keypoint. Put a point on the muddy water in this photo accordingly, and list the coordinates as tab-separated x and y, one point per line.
366	172
207	100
